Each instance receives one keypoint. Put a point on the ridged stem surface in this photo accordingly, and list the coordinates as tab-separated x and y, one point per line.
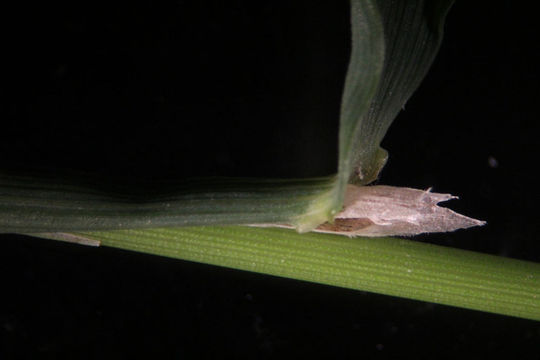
389	266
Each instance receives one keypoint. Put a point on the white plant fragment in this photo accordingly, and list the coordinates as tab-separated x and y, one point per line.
382	210
388	211
72	238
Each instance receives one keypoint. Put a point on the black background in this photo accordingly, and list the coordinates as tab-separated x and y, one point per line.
253	88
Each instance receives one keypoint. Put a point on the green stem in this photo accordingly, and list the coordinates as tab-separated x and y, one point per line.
383	265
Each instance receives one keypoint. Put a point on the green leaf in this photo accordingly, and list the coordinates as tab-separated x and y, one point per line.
30	205
412	36
393	44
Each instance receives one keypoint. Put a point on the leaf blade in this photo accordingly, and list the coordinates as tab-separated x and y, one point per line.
412	37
